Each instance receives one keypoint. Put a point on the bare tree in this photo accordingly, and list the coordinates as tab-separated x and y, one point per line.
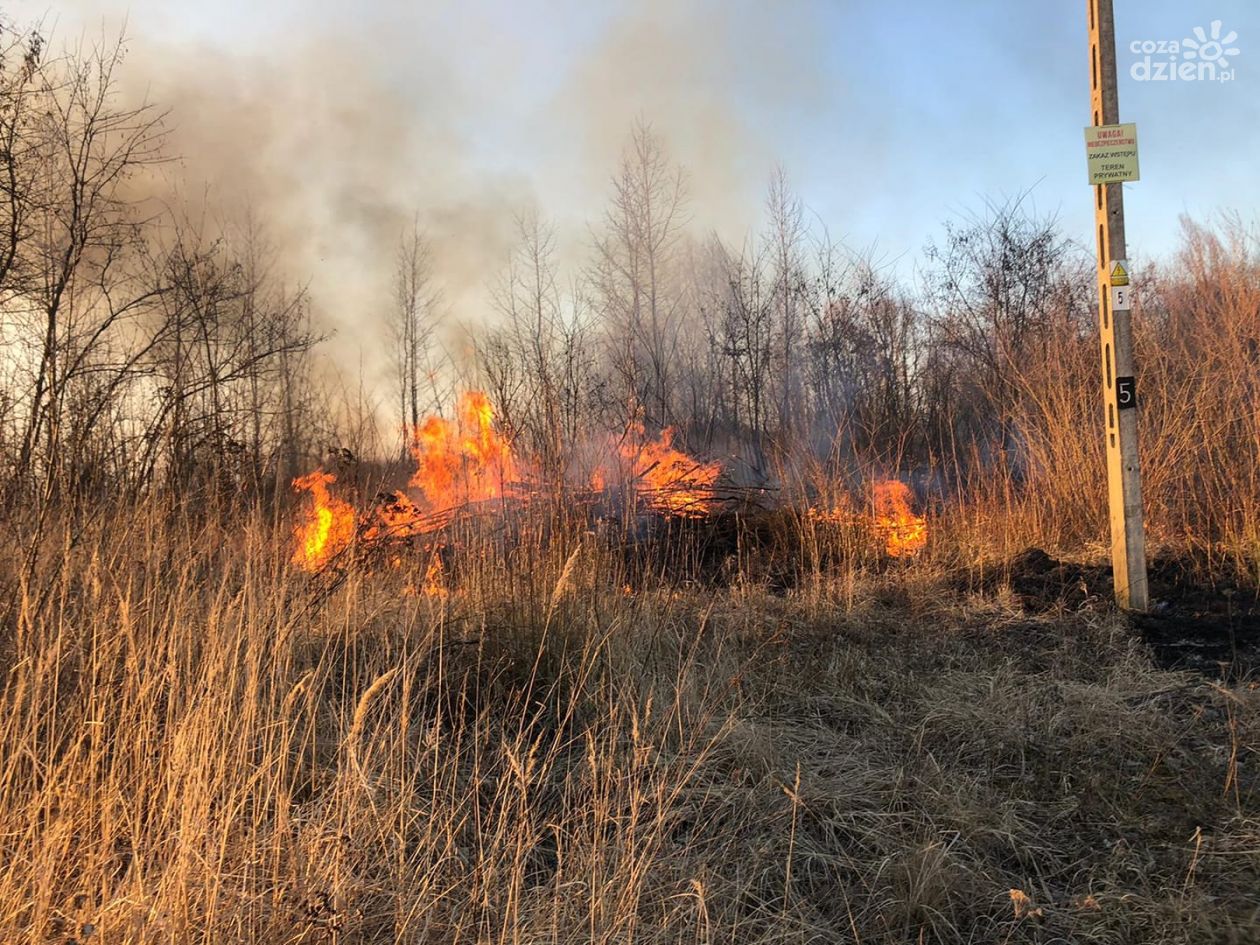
995	289
743	335
538	364
415	299
635	280
74	235
22	87
226	350
785	238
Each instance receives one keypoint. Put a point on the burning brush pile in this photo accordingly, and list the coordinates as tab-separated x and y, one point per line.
467	470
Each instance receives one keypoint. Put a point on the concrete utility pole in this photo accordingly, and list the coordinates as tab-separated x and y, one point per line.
1124	475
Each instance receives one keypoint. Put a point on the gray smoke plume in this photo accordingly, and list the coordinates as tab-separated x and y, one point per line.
335	128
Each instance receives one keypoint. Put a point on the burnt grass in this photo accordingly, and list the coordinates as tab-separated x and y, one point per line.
1197	620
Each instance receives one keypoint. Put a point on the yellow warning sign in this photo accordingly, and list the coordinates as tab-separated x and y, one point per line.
1120	272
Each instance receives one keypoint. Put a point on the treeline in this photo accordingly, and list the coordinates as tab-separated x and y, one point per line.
976	378
142	352
789	343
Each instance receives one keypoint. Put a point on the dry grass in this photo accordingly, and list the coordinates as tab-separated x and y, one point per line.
199	745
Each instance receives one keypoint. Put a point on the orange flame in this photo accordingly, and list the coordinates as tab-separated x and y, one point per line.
435	580
434	584
892	518
840	512
329	526
465	460
905	533
398	517
669	480
457	462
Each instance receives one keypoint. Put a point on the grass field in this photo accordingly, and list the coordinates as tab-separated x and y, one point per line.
200	744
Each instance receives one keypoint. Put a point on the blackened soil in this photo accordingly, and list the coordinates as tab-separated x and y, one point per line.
1194	621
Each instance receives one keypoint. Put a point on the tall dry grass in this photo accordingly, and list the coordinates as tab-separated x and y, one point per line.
1197	337
198	744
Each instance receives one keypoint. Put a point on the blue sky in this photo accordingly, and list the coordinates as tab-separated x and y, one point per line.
983	99
908	111
888	117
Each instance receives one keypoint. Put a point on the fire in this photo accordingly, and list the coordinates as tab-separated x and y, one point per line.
905	533
397	516
330	526
434	584
465	460
457	462
435	579
892	518
669	480
839	513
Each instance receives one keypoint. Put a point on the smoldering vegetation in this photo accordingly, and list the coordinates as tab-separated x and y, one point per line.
744	717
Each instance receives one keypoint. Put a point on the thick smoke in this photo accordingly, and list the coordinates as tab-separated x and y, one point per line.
335	129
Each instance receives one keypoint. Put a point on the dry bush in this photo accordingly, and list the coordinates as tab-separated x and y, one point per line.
1197	337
